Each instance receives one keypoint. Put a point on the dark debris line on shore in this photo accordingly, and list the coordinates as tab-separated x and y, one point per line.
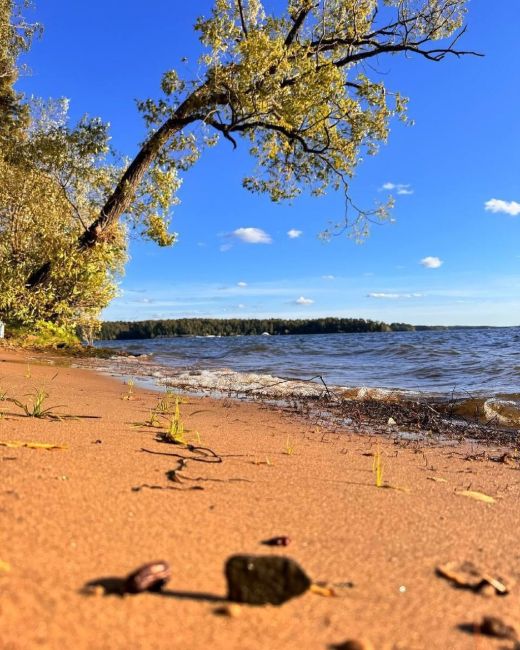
414	418
424	417
456	419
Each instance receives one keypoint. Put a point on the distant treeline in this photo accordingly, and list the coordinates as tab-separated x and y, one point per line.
150	329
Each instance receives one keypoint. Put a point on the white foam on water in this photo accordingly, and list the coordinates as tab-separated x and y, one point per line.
244	383
225	382
505	411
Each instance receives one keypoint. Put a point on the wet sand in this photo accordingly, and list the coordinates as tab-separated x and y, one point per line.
103	506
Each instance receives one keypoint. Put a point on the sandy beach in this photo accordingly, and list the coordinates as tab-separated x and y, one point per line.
103	503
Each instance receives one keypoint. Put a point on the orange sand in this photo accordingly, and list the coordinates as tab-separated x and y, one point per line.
70	516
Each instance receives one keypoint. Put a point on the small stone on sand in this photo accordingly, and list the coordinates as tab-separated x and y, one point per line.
262	580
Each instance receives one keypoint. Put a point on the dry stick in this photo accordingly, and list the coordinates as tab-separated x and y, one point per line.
212	458
285	381
208	456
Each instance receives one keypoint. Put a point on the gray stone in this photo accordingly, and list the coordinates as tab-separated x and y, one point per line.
264	579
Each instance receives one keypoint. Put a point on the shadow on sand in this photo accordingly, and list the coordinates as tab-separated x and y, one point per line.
115	586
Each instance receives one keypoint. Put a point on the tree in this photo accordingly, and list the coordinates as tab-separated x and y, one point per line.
295	86
16	35
52	183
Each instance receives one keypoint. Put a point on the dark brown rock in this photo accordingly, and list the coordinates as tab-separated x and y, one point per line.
353	644
494	626
262	580
149	577
282	540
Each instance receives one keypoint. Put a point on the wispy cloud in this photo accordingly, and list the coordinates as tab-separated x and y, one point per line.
507	207
393	296
328	277
241	284
304	301
431	262
294	234
401	188
252	236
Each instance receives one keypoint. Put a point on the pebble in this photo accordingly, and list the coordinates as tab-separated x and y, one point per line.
282	540
232	610
262	580
494	626
354	644
148	577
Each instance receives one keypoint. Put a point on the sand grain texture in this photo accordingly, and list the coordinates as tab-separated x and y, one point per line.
72	516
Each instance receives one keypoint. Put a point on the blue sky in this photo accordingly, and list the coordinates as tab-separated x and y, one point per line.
446	259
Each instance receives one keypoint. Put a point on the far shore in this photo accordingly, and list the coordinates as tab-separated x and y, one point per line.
112	495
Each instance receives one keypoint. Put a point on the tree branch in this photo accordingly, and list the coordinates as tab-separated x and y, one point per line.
242	17
299	19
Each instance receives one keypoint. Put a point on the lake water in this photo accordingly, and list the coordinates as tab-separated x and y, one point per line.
482	363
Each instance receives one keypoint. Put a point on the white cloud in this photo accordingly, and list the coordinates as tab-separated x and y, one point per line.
241	306
431	262
242	284
393	296
252	235
225	247
304	301
328	277
294	234
508	207
401	188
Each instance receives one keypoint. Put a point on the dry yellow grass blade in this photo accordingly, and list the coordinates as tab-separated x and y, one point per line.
16	444
321	590
478	496
437	479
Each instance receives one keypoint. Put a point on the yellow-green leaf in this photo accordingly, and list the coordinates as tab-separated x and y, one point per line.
478	496
16	444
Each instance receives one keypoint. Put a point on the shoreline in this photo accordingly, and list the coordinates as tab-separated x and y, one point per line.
395	412
73	515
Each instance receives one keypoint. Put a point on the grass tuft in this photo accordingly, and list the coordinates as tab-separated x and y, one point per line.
36	407
130	390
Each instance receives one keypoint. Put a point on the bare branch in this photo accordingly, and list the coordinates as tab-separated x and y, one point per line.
224	129
242	17
299	19
436	54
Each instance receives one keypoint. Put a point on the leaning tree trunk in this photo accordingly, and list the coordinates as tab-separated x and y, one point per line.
194	108
122	196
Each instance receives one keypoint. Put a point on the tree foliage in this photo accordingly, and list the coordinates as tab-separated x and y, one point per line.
16	35
52	182
296	86
150	329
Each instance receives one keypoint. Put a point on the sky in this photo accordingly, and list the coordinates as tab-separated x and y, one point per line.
451	255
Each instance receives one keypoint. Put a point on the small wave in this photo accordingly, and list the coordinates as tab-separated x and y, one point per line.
504	409
228	381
